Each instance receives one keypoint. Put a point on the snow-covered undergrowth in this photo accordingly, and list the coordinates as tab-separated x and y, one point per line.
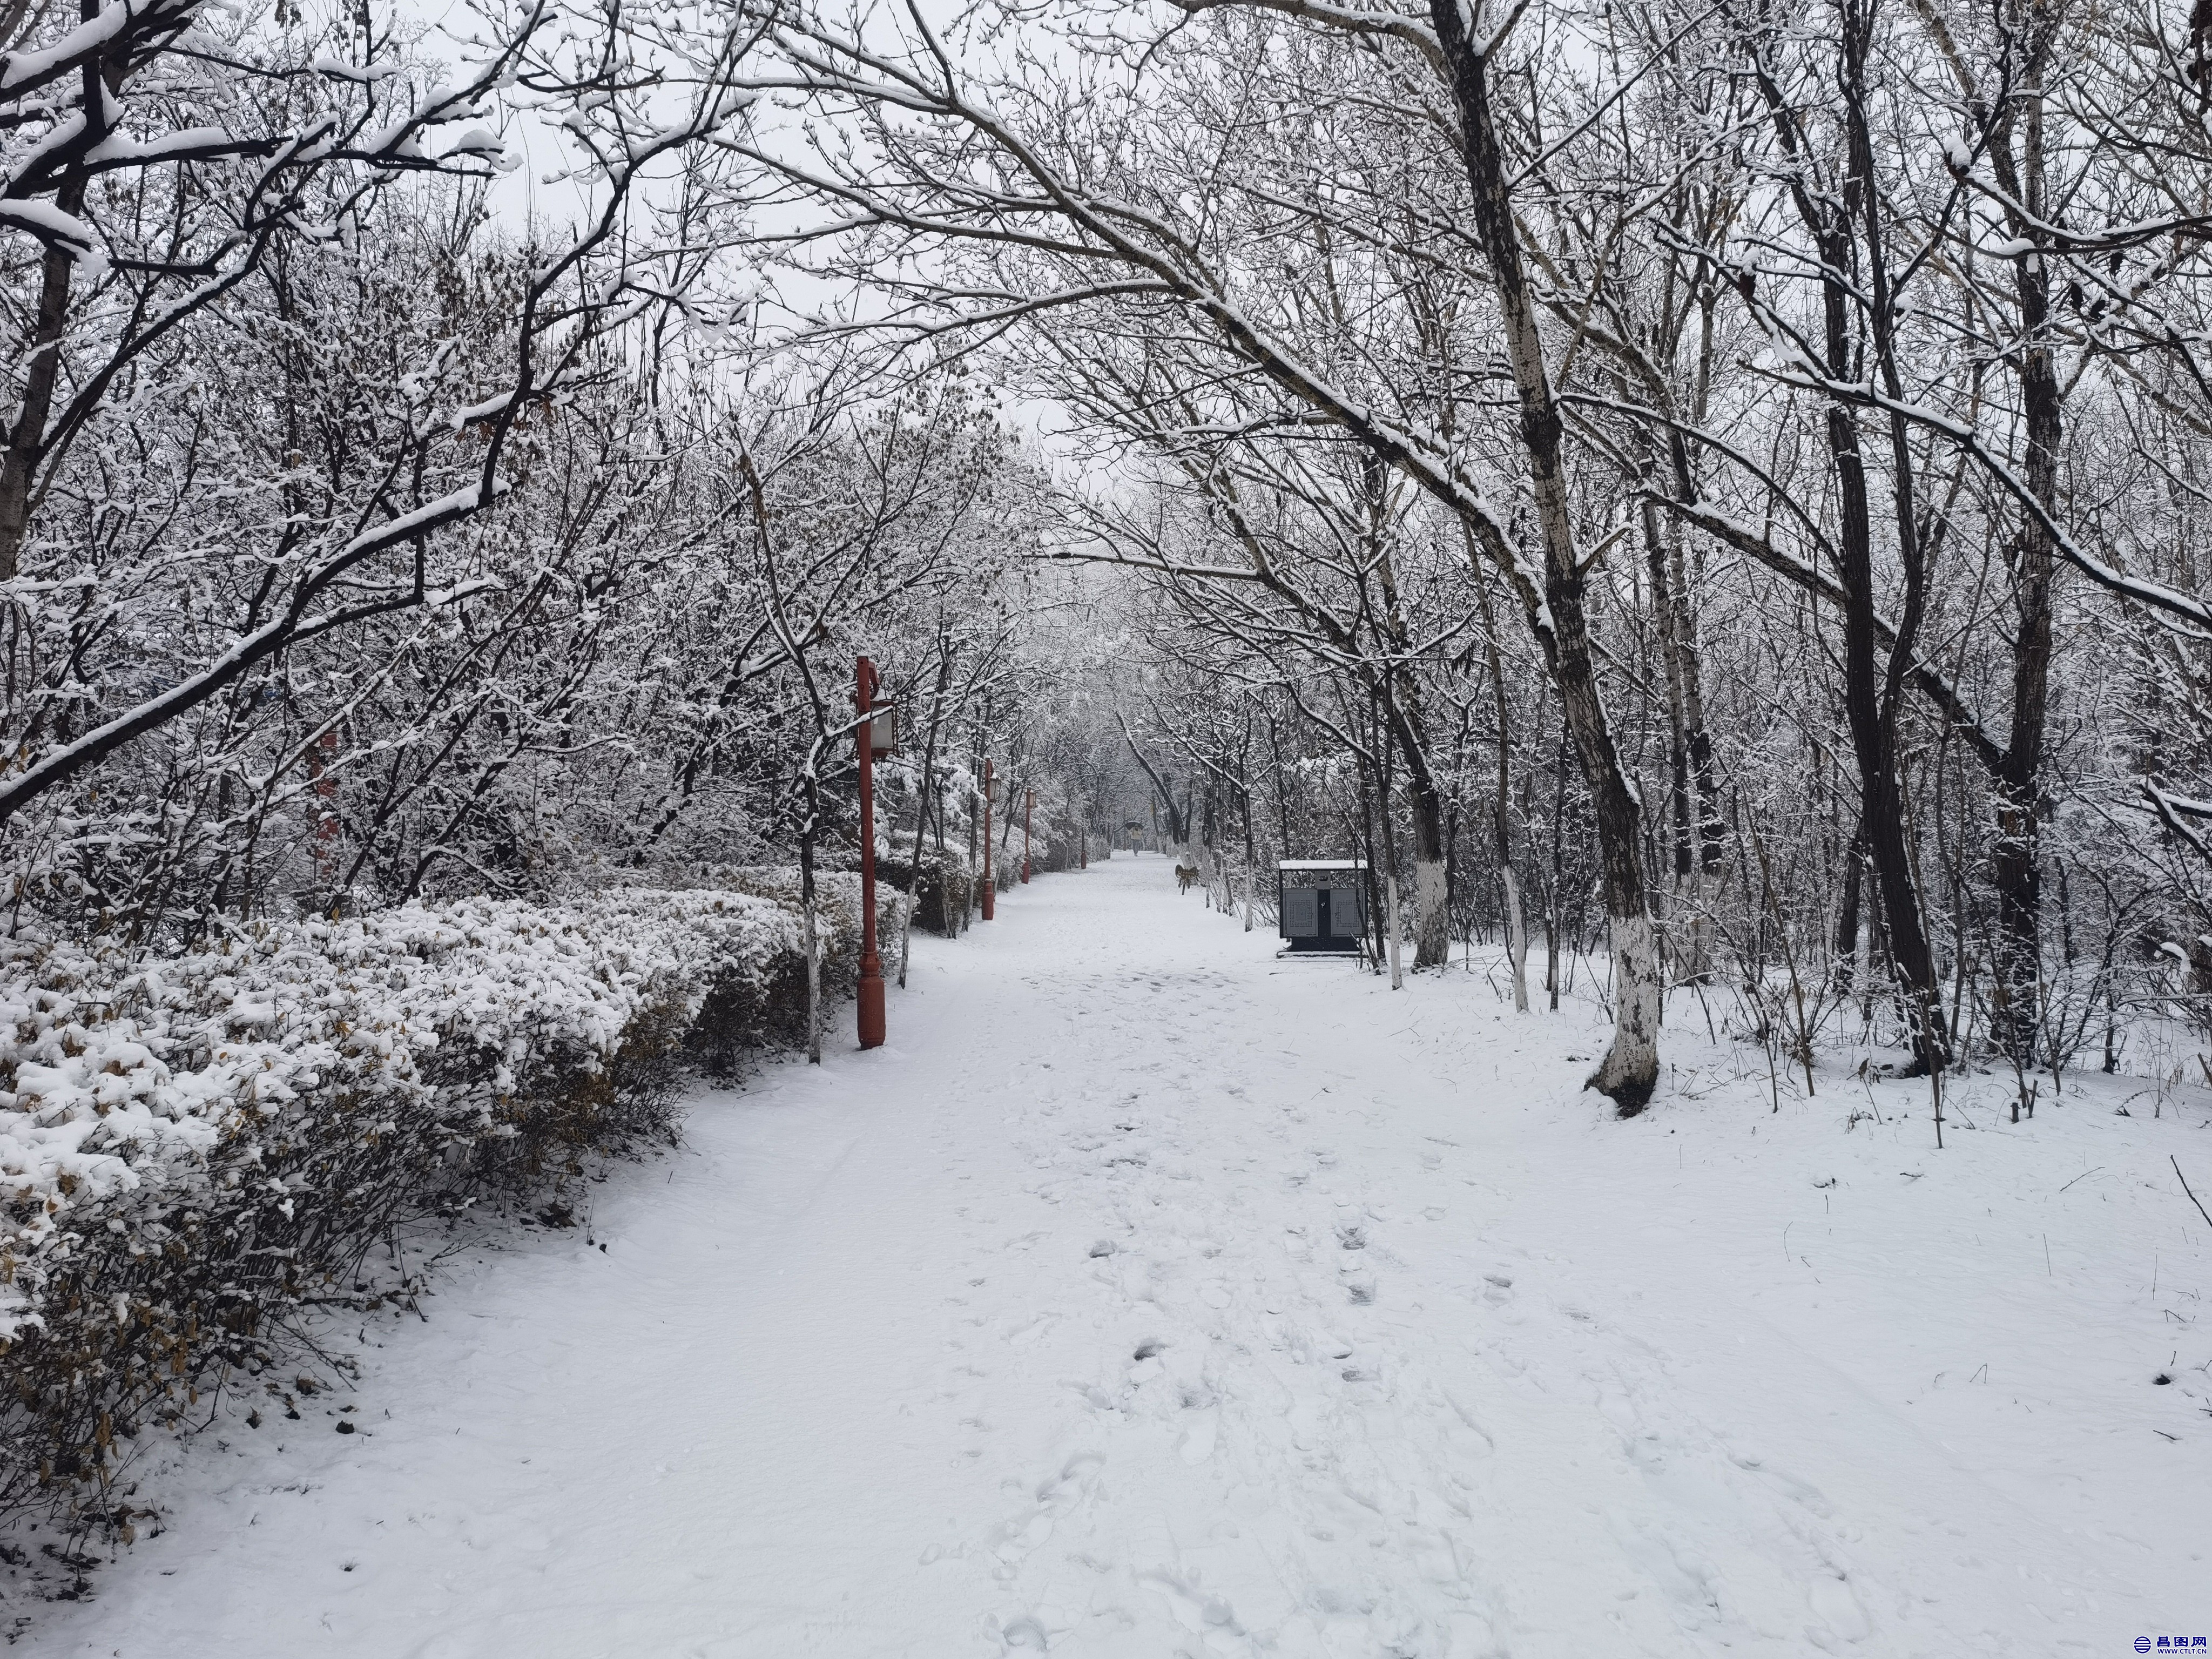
196	1150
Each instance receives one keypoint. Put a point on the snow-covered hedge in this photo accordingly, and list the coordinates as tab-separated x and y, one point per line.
947	889
195	1150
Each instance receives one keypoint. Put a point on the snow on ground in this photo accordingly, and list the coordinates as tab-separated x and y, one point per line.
1148	1296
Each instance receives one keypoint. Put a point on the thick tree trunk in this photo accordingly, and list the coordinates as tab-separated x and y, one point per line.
1406	714
1845	946
1872	694
1248	860
1874	743
1409	725
1681	622
974	881
1432	909
1516	921
1391	897
1712	846
1855	274
1371	877
27	438
1630	1069
2016	860
1431	887
1680	807
1552	891
1516	939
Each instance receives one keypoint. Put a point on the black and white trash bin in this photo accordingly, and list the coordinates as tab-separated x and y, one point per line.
1322	904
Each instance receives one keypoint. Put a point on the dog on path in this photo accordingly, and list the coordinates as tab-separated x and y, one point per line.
1186	876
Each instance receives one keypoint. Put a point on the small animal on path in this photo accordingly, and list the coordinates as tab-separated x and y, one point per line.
1186	876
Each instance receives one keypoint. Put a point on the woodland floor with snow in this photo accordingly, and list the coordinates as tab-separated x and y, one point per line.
1149	1296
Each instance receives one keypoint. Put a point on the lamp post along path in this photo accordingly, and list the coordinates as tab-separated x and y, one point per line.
870	998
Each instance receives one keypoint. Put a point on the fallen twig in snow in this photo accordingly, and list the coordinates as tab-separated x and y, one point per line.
2193	1199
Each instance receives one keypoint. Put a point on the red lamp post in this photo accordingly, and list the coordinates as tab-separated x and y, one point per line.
871	966
990	891
1028	800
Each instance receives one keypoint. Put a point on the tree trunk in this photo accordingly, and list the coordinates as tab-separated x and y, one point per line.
1712	849
1681	621
1404	716
1431	888
1845	946
1871	694
1248	860
1552	895
922	823
811	930
1405	712
913	880
1681	808
974	878
1630	1069
27	439
1871	690
1516	921
1370	876
1874	742
2016	863
1517	940
1391	897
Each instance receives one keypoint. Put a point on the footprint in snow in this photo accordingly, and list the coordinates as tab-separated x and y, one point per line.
1024	1632
1210	1617
1198	1440
1838	1608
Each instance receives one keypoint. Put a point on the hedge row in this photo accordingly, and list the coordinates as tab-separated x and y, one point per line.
199	1154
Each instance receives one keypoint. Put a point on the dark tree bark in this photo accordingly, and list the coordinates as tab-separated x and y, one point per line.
1630	1069
27	439
1845	946
2016	862
1846	228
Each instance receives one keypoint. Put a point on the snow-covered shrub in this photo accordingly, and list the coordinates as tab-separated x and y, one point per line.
196	1150
947	889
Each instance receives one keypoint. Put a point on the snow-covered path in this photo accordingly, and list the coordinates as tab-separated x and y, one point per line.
1146	1296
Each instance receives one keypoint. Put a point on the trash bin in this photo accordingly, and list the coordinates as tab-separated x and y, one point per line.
1322	903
